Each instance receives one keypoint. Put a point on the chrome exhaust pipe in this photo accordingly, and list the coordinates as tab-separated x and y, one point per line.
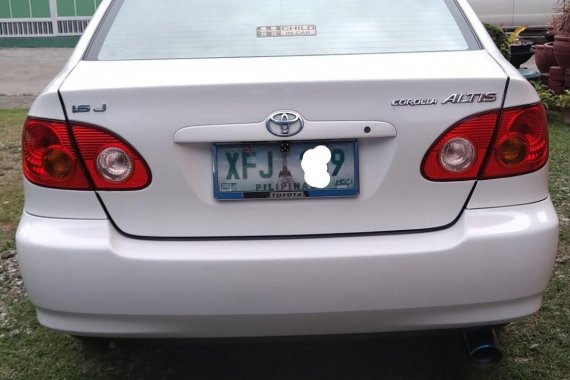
483	348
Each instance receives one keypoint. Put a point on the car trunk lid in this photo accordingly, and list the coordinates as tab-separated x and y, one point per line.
173	111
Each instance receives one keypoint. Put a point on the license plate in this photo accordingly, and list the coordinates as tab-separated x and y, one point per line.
273	170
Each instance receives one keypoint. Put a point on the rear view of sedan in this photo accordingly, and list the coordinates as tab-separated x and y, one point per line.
215	168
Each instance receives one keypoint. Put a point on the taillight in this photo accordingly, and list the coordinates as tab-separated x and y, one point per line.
48	156
519	147
111	162
459	154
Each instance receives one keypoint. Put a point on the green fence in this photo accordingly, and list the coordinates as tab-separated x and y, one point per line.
17	9
21	19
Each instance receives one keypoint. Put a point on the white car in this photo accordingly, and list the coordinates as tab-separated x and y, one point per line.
214	168
532	13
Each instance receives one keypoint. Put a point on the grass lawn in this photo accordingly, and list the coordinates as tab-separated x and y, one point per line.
537	348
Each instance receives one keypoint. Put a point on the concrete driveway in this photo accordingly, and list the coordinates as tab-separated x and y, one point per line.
25	72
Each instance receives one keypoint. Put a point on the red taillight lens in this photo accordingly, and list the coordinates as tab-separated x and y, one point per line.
48	156
110	161
459	154
522	143
520	146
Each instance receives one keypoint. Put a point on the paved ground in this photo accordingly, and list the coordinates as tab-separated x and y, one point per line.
25	72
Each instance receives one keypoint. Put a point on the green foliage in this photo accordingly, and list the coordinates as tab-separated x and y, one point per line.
563	101
550	100
514	37
501	40
546	95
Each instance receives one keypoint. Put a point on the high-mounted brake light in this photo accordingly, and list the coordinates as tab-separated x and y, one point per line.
49	158
520	146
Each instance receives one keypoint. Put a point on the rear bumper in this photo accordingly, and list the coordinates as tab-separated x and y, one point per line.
490	267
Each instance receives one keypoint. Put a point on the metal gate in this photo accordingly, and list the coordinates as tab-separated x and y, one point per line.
45	18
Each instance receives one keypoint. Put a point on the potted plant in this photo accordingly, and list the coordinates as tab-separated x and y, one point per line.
561	29
521	50
544	55
512	47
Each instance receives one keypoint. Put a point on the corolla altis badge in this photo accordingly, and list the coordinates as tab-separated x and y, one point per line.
414	102
284	123
488	97
485	97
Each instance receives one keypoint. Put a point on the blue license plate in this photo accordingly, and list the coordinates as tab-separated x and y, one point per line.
273	170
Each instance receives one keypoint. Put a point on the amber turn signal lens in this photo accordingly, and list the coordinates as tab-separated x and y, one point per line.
48	156
512	151
58	163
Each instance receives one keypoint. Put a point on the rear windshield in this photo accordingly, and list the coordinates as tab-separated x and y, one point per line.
170	29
